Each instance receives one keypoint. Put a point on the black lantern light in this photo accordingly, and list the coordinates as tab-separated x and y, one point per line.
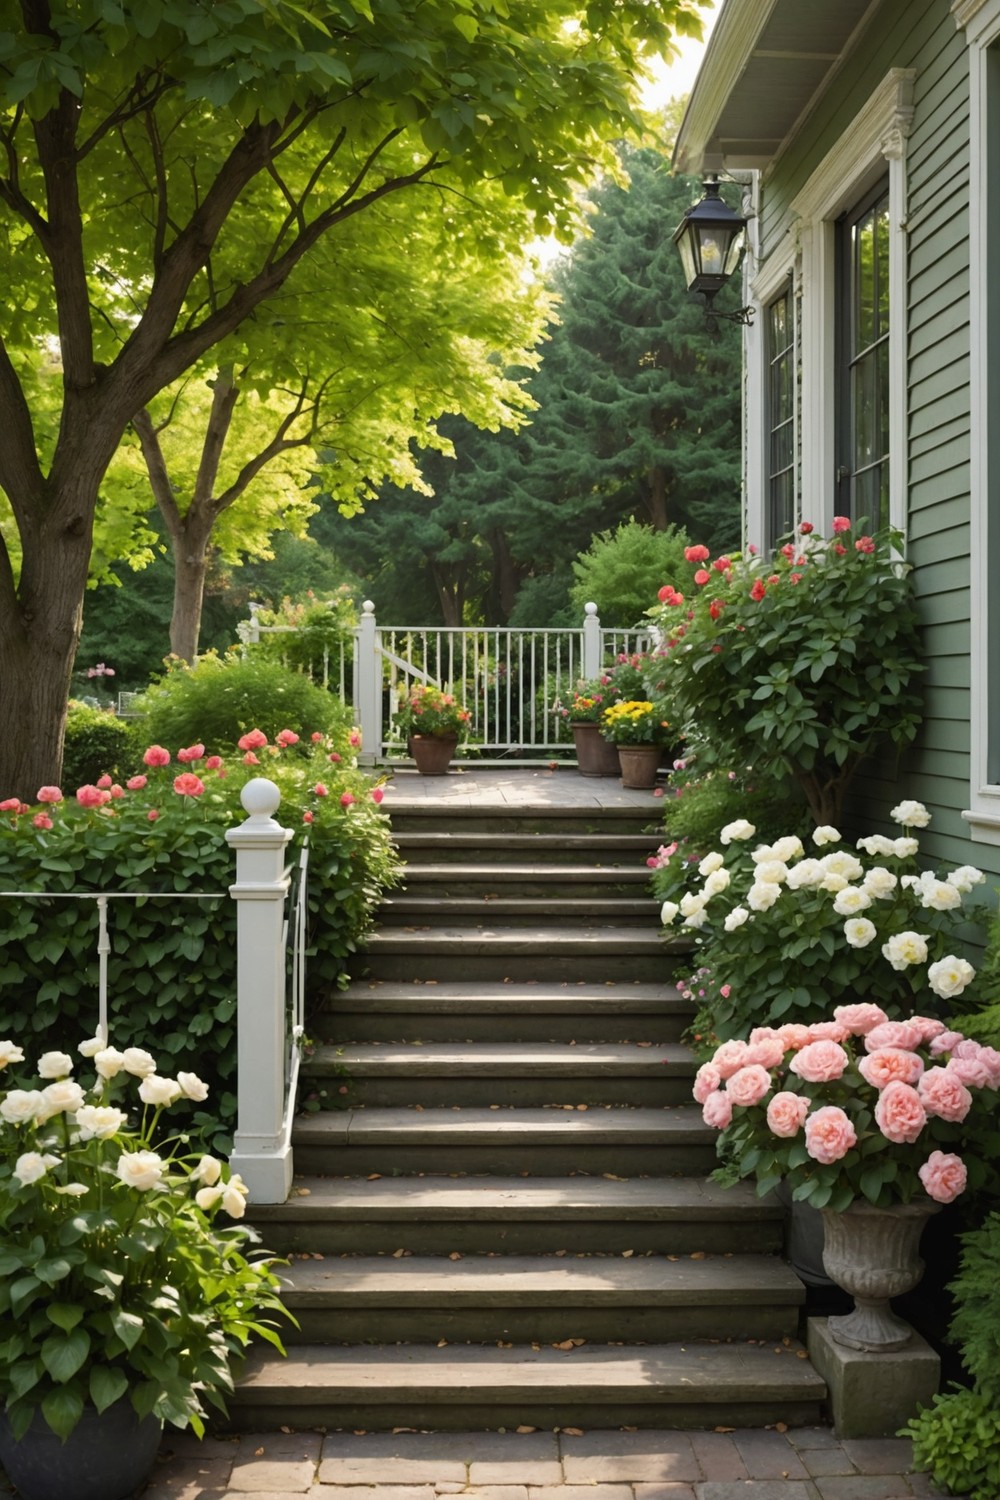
710	240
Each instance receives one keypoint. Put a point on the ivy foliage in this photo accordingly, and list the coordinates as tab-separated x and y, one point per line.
172	966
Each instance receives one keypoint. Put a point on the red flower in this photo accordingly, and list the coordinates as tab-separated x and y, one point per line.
334	758
253	740
839	550
43	821
136	783
213	763
697	554
759	589
92	796
152	815
377	793
840	523
864	544
806	528
156	756
788	551
250	759
193	752
187	784
702	576
307	817
346	799
722	564
715	608
320	790
286	737
104	782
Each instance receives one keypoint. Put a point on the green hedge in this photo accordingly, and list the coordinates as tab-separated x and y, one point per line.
172	969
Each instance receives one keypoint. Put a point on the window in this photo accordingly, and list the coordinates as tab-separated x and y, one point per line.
862	359
780	335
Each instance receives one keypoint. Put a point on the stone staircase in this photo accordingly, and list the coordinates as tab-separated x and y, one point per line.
510	1224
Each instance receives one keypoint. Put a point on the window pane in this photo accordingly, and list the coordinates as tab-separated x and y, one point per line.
864	283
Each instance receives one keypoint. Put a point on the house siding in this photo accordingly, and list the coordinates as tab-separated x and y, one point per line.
919	35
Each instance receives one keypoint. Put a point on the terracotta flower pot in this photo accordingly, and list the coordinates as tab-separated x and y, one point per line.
639	765
595	756
872	1253
433	752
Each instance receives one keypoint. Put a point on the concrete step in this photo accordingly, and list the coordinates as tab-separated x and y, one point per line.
593	821
542	1142
450	846
541	1298
385	1010
569	912
445	1074
544	952
527	877
689	1385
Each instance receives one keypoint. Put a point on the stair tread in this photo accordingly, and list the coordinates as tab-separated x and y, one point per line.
521	1280
692	1371
600	908
603	938
499	1059
618	1124
452	839
559	997
529	1198
527	870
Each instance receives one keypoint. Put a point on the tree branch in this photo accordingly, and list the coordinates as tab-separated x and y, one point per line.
225	394
21	476
156	468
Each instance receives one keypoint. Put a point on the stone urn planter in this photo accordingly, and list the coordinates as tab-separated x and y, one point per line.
433	752
595	756
872	1253
107	1456
639	765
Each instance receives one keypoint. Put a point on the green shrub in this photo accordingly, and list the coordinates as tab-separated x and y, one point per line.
221	698
957	1440
623	570
96	741
312	632
172	968
976	1292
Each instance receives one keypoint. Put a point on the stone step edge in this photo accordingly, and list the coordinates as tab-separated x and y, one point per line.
539	1281
373	993
525	939
502	1060
569	874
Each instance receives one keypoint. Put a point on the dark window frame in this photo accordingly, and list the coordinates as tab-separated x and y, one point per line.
862	358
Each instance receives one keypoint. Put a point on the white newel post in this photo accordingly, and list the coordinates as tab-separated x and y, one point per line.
592	652
260	1153
368	685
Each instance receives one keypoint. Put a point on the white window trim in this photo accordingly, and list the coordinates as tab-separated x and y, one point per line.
981	19
876	137
770	279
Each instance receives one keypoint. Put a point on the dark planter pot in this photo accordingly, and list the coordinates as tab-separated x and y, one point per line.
639	765
433	752
107	1456
595	756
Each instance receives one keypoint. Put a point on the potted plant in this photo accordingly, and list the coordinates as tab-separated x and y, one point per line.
864	1118
595	756
639	729
434	721
122	1301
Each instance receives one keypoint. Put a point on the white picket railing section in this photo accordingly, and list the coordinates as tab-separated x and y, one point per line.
511	680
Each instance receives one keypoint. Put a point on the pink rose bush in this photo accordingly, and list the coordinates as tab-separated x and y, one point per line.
788	927
854	1118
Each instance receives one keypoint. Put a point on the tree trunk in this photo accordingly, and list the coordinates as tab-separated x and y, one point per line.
190	547
507	576
39	633
656	499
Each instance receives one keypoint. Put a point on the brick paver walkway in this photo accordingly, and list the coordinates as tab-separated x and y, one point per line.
802	1464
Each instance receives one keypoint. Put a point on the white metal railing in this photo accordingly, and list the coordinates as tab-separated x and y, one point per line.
511	680
103	935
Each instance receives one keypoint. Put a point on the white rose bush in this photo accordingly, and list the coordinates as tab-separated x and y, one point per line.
793	928
117	1280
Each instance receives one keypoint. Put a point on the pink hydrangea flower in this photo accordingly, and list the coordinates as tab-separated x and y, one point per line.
316	737
42	821
346	799
748	1085
187	784
321	789
890	1065
92	796
706	1081
829	1134
10	804
49	794
943	1094
250	759
104	782
117	792
860	1019
254	739
152	815
213	763
307	817
156	756
136	783
840	525
819	1062
899	1113
698	553
786	1113
286	737
943	1176
865	544
192	753
717	1110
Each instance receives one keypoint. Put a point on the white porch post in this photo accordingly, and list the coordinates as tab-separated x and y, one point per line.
592	652
368	685
261	1154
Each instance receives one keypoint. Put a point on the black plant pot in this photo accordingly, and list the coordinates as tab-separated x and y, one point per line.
107	1456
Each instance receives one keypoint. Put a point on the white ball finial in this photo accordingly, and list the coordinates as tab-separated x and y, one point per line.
260	797
590	609
368	607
